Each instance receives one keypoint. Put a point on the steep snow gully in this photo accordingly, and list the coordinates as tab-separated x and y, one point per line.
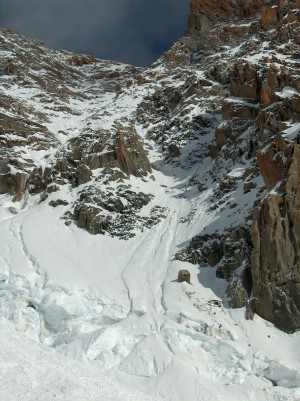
90	317
117	308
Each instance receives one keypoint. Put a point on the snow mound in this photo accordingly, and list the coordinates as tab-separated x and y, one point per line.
281	375
149	358
32	371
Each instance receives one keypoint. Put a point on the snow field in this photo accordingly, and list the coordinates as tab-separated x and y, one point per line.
101	304
32	371
117	303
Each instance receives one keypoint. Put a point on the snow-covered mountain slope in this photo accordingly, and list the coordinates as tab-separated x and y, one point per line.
113	179
118	304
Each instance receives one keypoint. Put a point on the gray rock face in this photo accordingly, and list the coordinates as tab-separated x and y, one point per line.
83	174
14	184
227	254
114	212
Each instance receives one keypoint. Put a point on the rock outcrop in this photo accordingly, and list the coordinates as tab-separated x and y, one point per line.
227	253
39	157
184	275
261	105
247	95
205	13
275	234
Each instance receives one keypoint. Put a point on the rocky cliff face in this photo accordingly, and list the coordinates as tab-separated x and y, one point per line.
275	236
222	107
252	48
272	94
205	14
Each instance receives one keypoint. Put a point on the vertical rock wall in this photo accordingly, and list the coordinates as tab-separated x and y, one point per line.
275	234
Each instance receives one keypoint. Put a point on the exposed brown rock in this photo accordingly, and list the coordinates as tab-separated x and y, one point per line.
266	95
18	185
203	13
233	108
126	161
224	10
90	218
13	184
239	30
269	18
275	266
80	60
272	161
132	157
272	79
237	291
245	82
184	275
247	91
223	132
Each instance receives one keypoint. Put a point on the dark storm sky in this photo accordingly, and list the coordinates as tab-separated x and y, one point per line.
131	31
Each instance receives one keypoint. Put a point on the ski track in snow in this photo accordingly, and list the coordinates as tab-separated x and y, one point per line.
155	254
116	307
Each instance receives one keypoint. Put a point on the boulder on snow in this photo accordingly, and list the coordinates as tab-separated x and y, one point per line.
174	150
184	275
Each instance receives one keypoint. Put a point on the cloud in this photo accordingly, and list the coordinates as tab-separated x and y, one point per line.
132	31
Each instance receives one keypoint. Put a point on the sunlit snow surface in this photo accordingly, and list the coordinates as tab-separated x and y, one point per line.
118	304
114	311
31	371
